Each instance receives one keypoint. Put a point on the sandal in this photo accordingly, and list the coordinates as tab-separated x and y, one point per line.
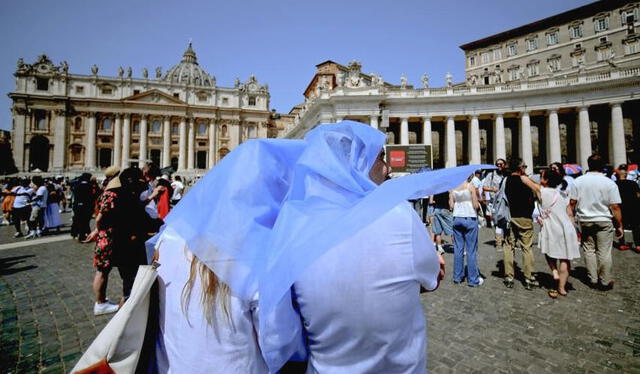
553	294
563	294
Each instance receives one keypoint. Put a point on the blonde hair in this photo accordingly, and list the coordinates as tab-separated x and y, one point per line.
213	292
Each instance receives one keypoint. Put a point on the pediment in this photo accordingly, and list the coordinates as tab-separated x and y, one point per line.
154	96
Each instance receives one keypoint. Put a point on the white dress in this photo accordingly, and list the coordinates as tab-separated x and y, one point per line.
558	238
193	346
360	301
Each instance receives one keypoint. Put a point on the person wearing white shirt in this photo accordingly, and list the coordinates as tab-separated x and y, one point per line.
21	208
178	189
38	206
351	298
596	199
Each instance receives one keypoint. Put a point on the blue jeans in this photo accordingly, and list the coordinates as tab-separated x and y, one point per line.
465	236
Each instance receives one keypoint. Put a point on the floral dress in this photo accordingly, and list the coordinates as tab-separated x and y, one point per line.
103	252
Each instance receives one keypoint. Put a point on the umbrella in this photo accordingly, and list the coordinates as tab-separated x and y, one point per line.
572	169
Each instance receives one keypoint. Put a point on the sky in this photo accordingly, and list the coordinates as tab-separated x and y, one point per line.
278	41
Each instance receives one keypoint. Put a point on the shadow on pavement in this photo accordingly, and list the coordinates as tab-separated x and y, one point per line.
7	265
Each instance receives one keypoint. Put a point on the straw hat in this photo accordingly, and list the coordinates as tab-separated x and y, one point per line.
112	172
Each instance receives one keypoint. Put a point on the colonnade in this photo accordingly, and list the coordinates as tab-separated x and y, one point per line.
122	140
553	149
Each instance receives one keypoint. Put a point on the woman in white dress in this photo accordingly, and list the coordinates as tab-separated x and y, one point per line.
558	240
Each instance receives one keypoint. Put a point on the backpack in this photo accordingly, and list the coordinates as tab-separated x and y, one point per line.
501	212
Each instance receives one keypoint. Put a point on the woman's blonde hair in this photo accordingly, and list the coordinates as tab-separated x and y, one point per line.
213	292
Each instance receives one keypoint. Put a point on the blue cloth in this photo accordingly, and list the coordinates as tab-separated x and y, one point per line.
272	207
465	238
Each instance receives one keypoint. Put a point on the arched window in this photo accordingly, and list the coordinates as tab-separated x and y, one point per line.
155	126
224	131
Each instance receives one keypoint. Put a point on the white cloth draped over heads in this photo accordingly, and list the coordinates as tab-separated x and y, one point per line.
272	207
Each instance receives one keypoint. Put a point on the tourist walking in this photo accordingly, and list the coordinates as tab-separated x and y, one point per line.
83	206
21	208
106	219
52	218
519	234
8	197
491	185
38	207
464	200
178	190
558	239
596	199
442	220
630	198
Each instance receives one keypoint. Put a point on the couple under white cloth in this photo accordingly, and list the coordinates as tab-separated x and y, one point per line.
299	250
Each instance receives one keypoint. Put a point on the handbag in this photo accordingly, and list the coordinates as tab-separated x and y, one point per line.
126	343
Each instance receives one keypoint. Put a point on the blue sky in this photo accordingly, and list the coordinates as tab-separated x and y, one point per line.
278	41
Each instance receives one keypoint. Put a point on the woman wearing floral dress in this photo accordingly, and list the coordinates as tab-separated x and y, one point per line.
103	235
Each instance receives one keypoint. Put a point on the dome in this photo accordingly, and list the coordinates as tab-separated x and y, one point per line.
189	72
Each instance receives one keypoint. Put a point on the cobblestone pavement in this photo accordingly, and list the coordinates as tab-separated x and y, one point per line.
47	318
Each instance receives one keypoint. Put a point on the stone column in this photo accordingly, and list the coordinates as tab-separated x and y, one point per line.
450	143
426	131
117	140
126	140
59	137
212	143
474	140
90	143
617	135
526	152
166	142
182	153
553	138
404	131
143	141
499	147
191	144
374	121
18	137
584	136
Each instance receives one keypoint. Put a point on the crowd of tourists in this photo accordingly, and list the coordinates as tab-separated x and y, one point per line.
588	213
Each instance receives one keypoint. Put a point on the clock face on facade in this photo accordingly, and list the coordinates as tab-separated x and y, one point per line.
43	68
252	87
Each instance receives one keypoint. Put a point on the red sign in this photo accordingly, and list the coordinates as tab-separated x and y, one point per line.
397	159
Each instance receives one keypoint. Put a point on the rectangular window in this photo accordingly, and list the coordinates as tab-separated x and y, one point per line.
42	84
604	54
532	44
575	31
175	129
514	74
512	50
136	92
40	117
79	89
225	100
252	100
472	61
176	95
554	64
485	57
107	91
602	24
497	54
552	38
533	69
631	47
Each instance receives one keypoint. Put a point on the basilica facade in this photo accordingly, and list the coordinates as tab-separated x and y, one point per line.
65	122
558	89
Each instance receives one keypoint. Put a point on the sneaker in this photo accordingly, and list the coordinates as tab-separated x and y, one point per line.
104	308
606	287
17	235
637	249
440	249
30	235
480	283
38	233
508	282
111	302
529	284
